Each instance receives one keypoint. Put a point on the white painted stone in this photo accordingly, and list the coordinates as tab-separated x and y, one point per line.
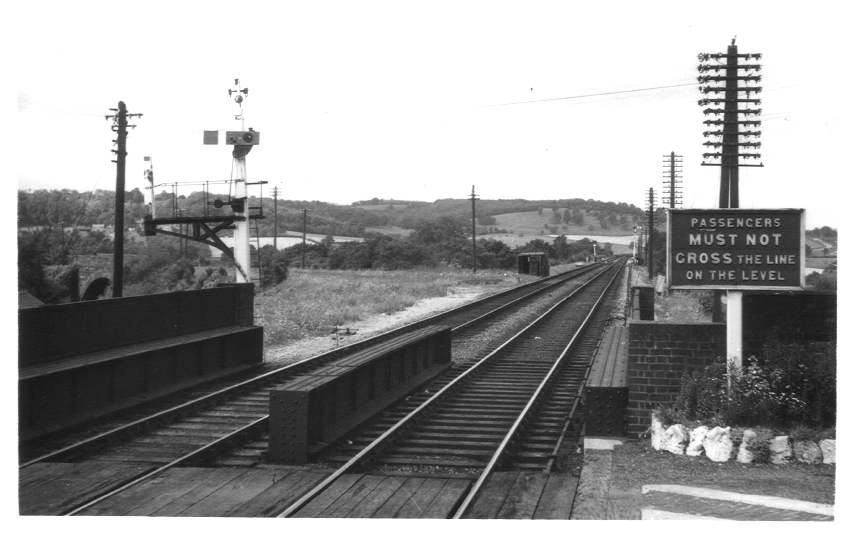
827	448
718	444
780	450
675	439
807	452
745	455
695	447
601	444
657	430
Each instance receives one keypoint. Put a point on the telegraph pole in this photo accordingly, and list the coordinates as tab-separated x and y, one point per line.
739	133
274	195
673	183
303	238
119	125
650	230
473	198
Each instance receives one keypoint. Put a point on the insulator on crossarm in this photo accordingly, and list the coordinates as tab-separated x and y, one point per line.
709	68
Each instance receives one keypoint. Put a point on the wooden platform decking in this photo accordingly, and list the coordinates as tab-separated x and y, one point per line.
265	491
606	392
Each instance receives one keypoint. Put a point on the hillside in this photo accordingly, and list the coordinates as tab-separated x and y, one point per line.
68	208
514	216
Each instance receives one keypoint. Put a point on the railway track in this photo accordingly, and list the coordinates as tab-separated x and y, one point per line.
514	407
127	423
231	417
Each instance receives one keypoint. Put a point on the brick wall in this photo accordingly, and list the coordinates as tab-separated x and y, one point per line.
659	354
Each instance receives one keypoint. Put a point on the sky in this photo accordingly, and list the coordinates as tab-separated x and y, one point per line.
418	100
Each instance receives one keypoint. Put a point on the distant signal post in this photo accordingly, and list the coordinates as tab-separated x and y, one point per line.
736	250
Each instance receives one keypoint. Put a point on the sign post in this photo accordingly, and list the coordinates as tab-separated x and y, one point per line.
736	250
734	328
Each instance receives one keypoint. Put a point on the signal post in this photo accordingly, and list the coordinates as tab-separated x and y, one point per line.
204	229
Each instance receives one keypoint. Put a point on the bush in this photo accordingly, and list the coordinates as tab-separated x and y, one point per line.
808	371
274	266
759	396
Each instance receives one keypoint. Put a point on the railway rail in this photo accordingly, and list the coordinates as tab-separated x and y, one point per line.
199	428
513	406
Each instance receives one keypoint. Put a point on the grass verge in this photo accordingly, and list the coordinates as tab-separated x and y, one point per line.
312	302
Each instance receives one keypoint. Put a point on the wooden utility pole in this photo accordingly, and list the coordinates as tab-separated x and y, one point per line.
304	238
673	181
119	125
738	130
473	198
274	195
650	230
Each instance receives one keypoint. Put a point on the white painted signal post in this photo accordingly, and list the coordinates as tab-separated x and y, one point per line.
204	229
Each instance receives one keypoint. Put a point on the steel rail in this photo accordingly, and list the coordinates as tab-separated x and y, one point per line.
254	426
197	453
550	463
406	420
497	456
316	359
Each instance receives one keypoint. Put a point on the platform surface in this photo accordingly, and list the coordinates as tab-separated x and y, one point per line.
610	366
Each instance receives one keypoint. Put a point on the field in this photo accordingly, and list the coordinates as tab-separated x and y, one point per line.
390	230
821	247
382	207
533	223
312	302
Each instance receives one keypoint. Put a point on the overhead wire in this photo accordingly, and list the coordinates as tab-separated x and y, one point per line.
605	93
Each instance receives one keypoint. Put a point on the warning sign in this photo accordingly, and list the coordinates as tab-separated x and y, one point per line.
736	249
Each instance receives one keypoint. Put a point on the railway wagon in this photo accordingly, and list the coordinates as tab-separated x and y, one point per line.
534	263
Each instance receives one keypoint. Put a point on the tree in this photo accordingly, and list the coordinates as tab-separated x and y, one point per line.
560	249
537	245
494	254
578	217
274	266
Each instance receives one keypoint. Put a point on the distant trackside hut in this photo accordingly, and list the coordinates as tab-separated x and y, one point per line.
534	263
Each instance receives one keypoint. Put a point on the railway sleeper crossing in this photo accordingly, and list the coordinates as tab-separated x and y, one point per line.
536	411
